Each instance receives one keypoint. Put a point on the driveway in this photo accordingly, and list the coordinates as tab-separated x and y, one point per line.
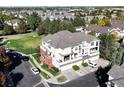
70	74
102	62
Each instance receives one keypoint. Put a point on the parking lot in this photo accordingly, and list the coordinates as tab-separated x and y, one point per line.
21	72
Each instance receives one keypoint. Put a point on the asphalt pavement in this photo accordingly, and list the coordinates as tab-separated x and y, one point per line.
88	80
21	73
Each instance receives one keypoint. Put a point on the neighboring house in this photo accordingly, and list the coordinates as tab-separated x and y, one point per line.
89	18
57	15
65	49
13	22
94	27
116	76
117	27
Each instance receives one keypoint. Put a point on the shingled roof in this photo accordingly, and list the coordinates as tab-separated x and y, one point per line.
65	39
117	24
97	28
117	72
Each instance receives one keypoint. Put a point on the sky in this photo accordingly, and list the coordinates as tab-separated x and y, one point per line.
6	3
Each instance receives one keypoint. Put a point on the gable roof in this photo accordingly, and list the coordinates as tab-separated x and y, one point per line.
117	72
117	24
65	39
97	28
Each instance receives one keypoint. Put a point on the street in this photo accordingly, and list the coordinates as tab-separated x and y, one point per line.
88	80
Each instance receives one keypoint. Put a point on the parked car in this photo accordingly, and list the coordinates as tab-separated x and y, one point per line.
92	64
35	70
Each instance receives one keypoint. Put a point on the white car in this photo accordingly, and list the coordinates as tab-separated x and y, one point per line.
35	70
92	64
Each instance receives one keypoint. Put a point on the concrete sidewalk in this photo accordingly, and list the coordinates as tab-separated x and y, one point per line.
39	66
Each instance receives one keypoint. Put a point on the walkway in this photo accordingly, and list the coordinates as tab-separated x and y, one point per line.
39	66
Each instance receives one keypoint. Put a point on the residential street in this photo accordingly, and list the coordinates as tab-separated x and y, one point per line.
88	80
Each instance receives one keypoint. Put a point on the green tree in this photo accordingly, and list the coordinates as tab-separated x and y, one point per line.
6	17
78	21
8	30
119	55
47	25
109	48
70	27
93	33
94	20
108	14
33	20
22	27
41	29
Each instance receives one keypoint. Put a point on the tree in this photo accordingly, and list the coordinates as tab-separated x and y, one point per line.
1	24
78	21
101	22
8	30
6	17
107	21
119	55
22	27
41	29
47	25
93	33
70	27
33	20
108	14
110	49
94	20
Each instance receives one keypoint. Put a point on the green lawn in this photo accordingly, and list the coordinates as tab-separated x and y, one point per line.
27	44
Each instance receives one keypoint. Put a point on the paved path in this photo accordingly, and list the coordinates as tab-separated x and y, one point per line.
43	80
39	66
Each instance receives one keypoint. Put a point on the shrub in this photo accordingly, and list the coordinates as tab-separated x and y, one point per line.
45	66
61	79
55	69
75	67
84	64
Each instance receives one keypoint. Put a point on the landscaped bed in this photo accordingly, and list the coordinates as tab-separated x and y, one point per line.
54	71
84	64
61	79
75	67
46	76
28	44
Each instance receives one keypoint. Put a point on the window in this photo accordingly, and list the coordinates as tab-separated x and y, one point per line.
96	43
79	49
75	54
82	51
66	58
92	43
